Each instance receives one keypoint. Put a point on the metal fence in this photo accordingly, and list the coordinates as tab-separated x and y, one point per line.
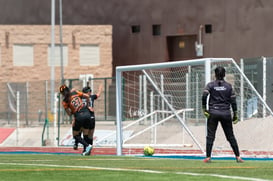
30	102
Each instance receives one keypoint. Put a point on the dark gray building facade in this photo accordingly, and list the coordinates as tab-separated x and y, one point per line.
150	31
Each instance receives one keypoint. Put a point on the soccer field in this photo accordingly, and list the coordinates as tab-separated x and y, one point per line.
30	167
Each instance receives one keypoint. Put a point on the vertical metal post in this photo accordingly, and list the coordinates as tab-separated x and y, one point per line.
61	40
207	79
59	118
197	98
140	95
242	91
52	55
55	120
46	99
105	98
27	112
188	91
264	85
207	71
162	90
145	97
188	88
119	113
152	117
17	116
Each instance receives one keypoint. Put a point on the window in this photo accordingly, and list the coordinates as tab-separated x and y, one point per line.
156	30
23	55
57	55
208	28
89	55
135	28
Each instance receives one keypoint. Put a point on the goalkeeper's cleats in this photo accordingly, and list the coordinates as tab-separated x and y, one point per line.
87	151
207	160
239	159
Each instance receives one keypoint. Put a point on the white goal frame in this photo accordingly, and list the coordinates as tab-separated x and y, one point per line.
206	62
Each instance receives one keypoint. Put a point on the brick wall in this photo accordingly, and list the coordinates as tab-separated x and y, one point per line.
40	37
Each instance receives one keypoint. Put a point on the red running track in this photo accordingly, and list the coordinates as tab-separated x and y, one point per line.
126	151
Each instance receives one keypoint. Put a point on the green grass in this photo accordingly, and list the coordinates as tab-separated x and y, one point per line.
45	167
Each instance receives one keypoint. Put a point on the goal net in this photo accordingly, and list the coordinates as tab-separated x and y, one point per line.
160	105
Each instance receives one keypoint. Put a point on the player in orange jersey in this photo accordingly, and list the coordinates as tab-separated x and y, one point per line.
73	105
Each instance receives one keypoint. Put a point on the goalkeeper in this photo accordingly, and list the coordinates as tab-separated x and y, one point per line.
221	98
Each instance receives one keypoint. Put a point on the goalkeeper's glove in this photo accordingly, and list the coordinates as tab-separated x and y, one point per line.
235	119
206	113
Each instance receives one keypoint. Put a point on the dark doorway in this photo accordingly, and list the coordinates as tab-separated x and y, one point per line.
181	47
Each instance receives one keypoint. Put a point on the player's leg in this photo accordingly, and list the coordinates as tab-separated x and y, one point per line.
88	148
212	123
91	130
76	143
77	137
80	125
226	124
90	136
86	126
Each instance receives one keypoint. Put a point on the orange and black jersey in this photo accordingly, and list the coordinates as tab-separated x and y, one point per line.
75	103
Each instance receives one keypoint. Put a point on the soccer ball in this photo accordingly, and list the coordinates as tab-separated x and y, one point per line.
148	151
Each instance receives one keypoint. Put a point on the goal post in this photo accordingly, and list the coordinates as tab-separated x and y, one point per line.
159	104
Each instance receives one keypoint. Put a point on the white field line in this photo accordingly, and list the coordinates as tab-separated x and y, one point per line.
139	170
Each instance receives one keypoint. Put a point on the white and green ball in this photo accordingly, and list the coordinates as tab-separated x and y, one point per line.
148	151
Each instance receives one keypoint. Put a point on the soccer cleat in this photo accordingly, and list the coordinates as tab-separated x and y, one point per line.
87	151
75	146
239	159
207	160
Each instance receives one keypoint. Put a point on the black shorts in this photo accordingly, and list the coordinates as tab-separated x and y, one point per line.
82	119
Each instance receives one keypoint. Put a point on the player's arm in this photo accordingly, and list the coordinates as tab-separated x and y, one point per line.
233	102
204	102
83	95
68	111
204	99
99	91
66	108
234	107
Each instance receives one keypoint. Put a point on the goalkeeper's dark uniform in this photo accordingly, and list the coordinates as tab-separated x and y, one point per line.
221	99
